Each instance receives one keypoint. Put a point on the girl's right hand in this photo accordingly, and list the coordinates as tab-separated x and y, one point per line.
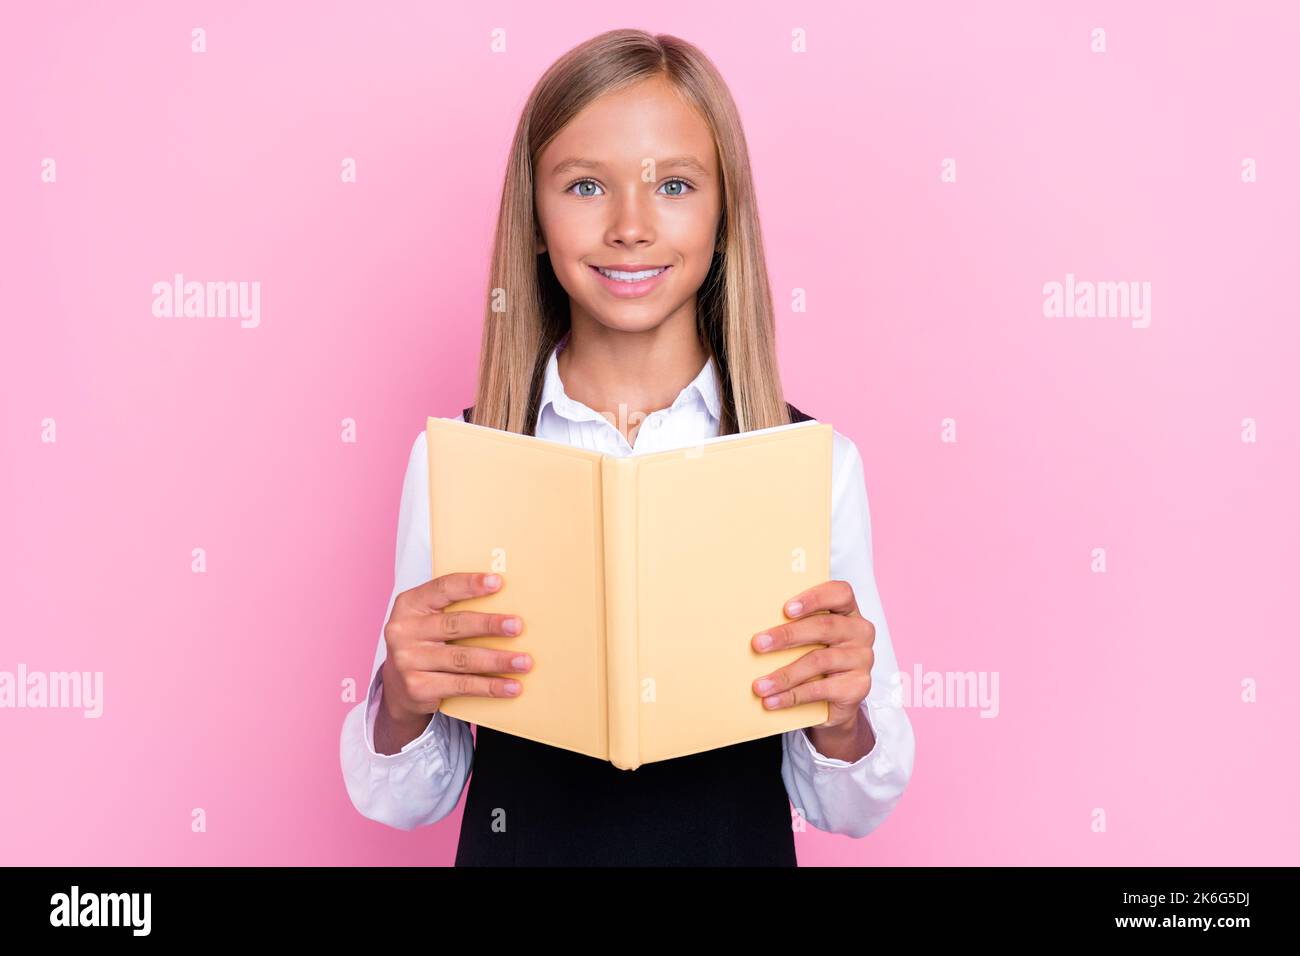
422	668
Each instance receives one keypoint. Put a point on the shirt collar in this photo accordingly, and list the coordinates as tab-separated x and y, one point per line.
705	384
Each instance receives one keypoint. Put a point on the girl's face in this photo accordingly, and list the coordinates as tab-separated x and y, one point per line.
632	181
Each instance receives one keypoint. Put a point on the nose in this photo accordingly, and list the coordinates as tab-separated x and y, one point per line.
632	220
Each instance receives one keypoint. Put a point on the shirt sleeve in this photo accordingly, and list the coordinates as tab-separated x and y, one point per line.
831	794
422	783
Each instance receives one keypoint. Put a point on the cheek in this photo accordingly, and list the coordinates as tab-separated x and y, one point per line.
568	234
691	231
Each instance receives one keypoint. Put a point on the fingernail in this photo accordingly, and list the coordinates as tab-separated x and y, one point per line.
511	625
512	687
521	662
794	607
765	685
771	702
492	580
764	641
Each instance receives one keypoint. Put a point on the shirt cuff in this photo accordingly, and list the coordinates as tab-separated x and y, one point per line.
823	763
436	734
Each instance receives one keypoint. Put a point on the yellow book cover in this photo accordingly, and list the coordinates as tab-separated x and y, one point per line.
641	580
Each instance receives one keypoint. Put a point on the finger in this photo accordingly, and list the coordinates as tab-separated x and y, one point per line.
451	625
835	689
425	687
817	628
834	596
816	663
446	589
410	627
460	659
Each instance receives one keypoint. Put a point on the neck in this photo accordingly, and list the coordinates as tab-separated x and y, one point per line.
627	375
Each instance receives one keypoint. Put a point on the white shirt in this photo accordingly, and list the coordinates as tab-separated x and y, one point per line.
422	783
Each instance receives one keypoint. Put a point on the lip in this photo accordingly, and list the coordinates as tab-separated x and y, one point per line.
630	290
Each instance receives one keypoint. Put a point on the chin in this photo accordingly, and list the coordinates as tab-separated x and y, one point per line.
625	323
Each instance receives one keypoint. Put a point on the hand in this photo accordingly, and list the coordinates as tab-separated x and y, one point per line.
422	668
845	661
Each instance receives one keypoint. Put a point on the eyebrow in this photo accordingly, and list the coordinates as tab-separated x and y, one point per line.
676	162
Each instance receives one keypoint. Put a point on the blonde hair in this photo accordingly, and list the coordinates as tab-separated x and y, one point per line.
734	304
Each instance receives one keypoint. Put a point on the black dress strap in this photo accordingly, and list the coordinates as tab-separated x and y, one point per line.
795	414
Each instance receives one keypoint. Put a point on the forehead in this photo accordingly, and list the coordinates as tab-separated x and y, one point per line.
647	120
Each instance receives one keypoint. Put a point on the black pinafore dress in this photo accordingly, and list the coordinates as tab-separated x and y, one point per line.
530	804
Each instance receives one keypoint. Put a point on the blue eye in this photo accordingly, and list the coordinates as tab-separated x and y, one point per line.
667	182
681	181
579	183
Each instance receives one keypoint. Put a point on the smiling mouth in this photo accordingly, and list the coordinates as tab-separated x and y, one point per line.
631	276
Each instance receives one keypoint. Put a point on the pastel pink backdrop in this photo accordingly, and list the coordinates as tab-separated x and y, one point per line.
1119	691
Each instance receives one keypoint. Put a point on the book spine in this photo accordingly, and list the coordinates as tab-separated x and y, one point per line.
618	499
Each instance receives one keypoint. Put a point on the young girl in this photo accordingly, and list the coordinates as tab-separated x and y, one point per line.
629	313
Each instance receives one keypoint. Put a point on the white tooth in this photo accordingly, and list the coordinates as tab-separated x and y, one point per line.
630	276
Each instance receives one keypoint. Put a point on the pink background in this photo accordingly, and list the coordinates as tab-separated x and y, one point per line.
222	690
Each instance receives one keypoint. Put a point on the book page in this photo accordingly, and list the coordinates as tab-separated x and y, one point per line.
728	531
531	510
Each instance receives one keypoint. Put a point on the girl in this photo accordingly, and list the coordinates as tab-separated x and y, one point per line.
630	313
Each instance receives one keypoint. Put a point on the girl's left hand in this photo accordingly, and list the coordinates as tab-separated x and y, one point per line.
845	661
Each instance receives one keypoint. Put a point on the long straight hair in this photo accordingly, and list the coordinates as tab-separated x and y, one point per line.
527	313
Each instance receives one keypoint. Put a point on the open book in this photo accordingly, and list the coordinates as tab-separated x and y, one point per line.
641	580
